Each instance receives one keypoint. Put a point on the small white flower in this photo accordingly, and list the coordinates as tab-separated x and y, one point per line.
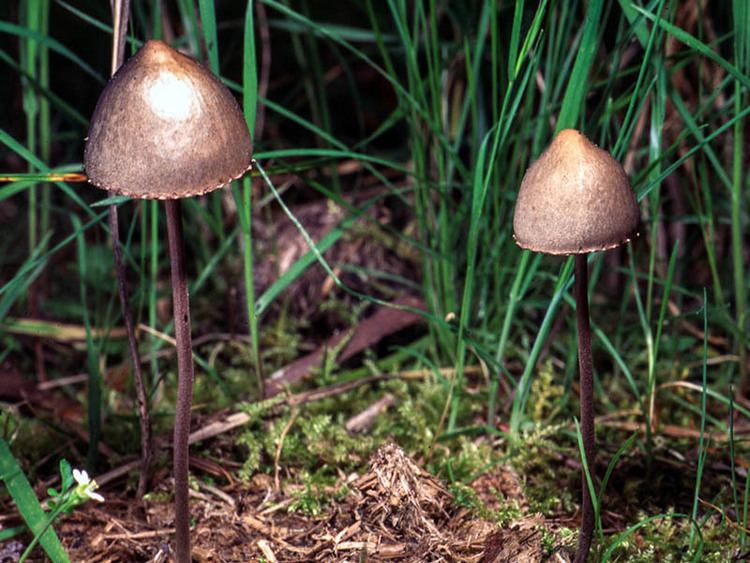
81	477
92	495
86	486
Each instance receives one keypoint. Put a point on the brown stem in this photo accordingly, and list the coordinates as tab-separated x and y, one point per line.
586	373
181	312
120	14
140	386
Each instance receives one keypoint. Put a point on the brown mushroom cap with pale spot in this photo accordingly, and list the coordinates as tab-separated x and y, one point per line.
574	199
165	128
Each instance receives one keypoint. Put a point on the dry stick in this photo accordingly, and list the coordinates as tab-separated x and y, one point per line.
147	453
366	418
120	12
586	369
181	313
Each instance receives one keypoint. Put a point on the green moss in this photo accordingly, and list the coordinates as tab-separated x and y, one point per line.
311	498
312	442
468	460
29	439
545	394
509	511
550	541
158	497
668	539
465	496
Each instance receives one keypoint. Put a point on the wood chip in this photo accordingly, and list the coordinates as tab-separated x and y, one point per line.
268	553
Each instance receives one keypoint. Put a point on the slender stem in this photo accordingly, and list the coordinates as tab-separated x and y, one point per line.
181	312
120	14
586	373
140	386
37	537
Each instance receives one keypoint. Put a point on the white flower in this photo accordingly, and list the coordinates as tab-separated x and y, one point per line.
81	477
86	487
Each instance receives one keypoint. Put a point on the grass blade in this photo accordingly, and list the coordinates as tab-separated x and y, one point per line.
28	505
208	24
575	93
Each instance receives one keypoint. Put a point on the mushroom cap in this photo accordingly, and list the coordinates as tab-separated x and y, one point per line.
165	128
574	199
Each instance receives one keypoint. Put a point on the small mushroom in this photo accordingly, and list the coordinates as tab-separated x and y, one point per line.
577	199
166	128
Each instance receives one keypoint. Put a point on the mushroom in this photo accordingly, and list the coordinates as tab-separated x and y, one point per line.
166	128
577	199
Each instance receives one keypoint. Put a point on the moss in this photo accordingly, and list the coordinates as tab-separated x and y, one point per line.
158	497
29	439
549	540
465	496
668	539
509	512
309	442
414	417
467	460
310	498
545	394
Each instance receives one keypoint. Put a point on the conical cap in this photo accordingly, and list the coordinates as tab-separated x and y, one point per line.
574	199
165	128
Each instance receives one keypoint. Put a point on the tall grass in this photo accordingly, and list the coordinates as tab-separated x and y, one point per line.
468	95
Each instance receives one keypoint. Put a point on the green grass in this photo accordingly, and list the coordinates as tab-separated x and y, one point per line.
444	105
28	505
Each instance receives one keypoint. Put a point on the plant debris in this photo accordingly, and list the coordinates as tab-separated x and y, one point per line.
395	511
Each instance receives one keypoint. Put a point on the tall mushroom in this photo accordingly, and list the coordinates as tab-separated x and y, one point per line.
166	128
577	199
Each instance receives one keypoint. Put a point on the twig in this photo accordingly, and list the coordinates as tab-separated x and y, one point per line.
383	322
160	335
263	528
366	418
725	517
218	493
263	545
139	535
664	429
62	382
117	472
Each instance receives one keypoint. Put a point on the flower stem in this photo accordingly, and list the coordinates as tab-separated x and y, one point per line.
50	520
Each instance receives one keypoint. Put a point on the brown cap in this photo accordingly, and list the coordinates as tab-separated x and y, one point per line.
165	128
576	198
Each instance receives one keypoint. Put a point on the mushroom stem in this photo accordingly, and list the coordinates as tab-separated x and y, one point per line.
181	312
140	386
586	374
